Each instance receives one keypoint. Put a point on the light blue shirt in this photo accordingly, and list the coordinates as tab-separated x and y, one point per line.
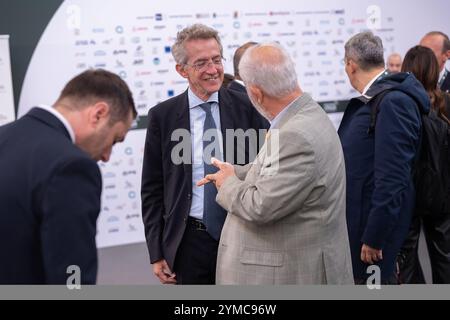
277	119
197	119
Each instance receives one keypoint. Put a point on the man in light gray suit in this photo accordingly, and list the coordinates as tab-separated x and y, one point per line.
286	211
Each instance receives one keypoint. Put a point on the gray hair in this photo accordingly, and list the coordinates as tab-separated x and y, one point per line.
366	50
269	67
194	32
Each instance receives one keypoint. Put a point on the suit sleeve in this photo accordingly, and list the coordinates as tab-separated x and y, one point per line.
152	190
70	208
241	171
285	181
396	139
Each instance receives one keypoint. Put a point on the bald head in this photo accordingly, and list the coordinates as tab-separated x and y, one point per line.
394	63
440	44
269	67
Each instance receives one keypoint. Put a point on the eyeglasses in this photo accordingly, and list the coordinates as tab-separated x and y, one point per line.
203	65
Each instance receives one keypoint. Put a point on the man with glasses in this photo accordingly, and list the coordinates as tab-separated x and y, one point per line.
182	221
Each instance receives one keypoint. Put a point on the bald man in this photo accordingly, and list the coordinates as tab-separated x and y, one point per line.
286	211
440	44
394	63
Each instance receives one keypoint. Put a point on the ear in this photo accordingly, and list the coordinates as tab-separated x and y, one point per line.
352	66
447	53
180	69
98	113
256	93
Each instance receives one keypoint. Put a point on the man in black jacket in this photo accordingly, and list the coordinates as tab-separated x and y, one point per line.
440	44
50	184
182	221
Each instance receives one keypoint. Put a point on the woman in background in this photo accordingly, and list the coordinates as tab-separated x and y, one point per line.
422	62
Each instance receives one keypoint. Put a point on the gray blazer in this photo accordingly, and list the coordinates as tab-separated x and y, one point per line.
286	211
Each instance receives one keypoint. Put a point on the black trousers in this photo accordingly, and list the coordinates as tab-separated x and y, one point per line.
437	235
195	262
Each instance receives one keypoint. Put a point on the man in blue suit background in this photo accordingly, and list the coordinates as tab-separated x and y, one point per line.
50	184
379	160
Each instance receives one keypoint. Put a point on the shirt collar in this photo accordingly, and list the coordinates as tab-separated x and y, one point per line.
240	82
61	118
442	74
280	115
371	82
195	101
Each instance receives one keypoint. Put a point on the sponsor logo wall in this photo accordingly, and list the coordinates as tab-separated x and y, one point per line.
134	39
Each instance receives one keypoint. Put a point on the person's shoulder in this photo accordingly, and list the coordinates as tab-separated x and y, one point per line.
56	145
234	85
238	98
167	106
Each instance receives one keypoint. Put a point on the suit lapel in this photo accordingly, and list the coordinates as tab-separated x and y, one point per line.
226	116
183	122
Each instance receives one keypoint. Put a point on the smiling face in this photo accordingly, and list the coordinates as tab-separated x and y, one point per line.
208	79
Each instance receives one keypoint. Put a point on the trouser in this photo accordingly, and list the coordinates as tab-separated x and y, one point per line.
196	258
437	236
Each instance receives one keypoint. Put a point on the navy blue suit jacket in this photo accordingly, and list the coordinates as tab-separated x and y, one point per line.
49	203
167	187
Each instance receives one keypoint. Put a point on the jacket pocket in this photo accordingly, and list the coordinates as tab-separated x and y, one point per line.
262	258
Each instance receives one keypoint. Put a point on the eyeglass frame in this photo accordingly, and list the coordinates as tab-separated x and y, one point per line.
204	64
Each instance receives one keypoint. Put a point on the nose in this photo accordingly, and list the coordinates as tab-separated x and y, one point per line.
211	67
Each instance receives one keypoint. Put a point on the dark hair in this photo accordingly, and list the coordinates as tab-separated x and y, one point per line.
423	64
238	55
227	78
366	49
445	44
100	84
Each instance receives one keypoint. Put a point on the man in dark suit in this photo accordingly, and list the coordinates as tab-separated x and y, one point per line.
237	84
50	184
440	44
182	221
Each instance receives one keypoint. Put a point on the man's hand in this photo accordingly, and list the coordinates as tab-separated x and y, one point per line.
226	170
163	272
370	255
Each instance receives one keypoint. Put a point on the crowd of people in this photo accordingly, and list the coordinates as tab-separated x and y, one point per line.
303	205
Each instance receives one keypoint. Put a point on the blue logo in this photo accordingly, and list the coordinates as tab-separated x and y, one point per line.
119	29
129	151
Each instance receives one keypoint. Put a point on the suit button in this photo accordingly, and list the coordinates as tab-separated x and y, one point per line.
189	196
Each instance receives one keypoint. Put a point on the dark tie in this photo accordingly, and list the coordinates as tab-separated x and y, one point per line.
213	214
